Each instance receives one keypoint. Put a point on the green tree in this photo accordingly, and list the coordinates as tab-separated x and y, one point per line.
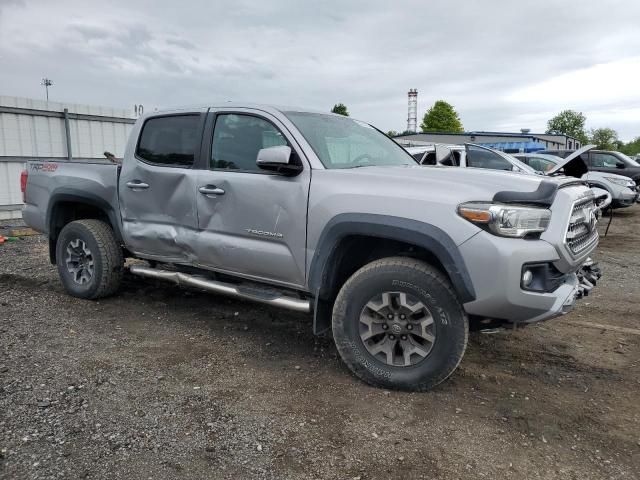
569	122
392	133
631	148
340	109
604	138
441	118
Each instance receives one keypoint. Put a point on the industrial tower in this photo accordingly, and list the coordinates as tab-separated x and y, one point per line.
412	119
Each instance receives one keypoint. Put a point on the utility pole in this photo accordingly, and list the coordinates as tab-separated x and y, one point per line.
46	83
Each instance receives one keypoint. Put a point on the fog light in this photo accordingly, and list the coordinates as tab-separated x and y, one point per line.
527	278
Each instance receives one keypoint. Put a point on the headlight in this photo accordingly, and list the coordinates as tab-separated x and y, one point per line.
623	182
506	220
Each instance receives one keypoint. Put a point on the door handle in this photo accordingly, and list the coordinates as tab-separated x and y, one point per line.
136	184
211	190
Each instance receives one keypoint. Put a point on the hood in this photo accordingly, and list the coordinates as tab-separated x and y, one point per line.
573	165
446	184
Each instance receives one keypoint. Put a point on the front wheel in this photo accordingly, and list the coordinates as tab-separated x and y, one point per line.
89	259
398	324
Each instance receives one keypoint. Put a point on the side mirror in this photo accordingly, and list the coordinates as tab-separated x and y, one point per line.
620	165
277	159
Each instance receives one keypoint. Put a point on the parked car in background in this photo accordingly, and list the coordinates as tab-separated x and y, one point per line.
321	213
605	161
478	156
467	155
623	190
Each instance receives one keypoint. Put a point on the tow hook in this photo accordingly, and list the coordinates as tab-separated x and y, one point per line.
588	276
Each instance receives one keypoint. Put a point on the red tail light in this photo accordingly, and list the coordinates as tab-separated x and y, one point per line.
23	185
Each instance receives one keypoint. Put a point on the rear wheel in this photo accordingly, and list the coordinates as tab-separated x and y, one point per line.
398	324
89	259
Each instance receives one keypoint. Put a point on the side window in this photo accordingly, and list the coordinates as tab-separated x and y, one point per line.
418	156
540	164
481	158
603	160
171	140
430	159
237	140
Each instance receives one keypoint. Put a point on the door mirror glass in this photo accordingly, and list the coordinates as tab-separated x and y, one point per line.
277	159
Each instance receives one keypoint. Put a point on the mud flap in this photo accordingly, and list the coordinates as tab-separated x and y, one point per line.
322	312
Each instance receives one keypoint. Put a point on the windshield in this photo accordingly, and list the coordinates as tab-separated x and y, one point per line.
341	142
630	160
520	164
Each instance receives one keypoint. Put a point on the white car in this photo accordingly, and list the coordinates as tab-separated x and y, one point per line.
478	156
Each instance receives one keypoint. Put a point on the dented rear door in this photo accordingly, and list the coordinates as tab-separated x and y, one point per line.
157	187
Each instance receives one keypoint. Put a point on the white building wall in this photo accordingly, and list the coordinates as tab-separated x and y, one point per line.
10	194
29	135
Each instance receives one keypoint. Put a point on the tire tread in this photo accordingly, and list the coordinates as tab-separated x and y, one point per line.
371	269
110	255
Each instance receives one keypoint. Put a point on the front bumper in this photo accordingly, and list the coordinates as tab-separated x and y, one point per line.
495	265
625	199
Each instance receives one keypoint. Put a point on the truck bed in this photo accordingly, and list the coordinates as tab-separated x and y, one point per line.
65	180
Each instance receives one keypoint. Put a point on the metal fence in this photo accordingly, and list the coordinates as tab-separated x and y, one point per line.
33	129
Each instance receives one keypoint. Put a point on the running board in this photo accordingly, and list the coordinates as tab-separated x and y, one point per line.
248	293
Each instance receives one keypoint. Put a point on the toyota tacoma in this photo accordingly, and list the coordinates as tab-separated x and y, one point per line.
323	214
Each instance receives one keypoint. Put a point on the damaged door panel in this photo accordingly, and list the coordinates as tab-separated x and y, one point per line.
157	189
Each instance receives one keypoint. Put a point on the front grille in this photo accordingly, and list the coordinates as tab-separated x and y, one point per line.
582	232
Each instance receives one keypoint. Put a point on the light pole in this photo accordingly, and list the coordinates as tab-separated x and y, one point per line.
46	83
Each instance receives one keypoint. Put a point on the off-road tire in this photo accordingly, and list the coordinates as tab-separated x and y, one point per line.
107	258
433	289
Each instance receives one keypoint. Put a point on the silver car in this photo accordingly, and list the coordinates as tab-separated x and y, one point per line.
623	190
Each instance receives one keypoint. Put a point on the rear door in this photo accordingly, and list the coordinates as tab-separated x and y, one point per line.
252	222
157	187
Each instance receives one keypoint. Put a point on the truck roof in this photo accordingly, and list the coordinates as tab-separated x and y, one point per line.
235	104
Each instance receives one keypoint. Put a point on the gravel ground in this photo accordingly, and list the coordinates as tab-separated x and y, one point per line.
158	382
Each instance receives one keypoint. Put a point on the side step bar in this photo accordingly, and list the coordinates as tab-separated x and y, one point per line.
248	293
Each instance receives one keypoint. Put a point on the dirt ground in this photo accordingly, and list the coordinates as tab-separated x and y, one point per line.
158	382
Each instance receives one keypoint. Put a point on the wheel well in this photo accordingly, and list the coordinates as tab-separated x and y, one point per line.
350	254
353	252
66	212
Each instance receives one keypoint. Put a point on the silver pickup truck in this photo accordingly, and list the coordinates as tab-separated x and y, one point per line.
321	213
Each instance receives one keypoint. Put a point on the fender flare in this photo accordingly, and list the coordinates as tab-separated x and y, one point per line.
420	234
66	194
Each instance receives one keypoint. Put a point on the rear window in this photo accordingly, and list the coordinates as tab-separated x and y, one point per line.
171	140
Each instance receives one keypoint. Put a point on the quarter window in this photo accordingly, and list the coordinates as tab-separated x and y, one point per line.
171	140
237	139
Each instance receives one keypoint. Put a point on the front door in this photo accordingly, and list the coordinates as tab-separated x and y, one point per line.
252	222
157	188
605	162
